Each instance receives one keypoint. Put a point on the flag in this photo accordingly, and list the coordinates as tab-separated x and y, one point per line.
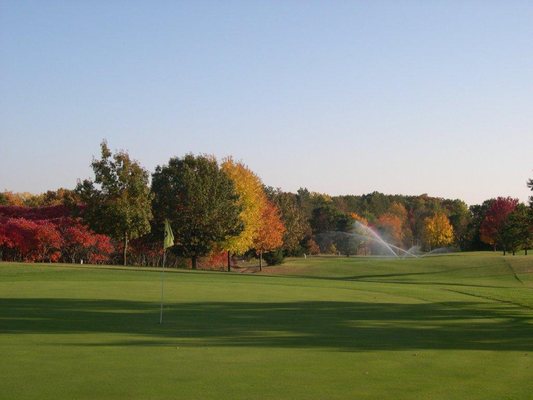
169	236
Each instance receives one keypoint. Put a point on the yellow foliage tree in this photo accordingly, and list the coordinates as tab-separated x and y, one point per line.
252	199
438	231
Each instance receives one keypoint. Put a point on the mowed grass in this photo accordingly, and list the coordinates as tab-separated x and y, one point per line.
443	327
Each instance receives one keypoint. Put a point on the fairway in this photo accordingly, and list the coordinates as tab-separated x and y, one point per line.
456	326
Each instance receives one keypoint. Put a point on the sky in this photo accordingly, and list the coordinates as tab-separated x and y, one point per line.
341	97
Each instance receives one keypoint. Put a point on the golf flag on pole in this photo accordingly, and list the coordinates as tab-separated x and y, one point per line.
167	242
169	236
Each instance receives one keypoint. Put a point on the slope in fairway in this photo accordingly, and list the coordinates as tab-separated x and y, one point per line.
447	327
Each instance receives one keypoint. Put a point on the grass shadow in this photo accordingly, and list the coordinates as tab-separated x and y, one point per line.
345	326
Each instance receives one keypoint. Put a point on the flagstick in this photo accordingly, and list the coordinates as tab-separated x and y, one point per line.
162	274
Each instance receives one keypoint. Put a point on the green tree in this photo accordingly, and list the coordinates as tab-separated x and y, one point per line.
473	230
517	230
118	201
200	201
530	186
328	219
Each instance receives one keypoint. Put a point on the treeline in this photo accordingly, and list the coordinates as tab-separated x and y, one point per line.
221	211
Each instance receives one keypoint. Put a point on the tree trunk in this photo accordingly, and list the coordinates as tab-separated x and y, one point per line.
260	260
193	261
125	247
525	251
229	261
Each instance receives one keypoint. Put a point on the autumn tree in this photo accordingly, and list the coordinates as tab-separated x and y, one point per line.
8	198
390	226
297	228
29	240
251	200
459	216
118	201
201	203
495	217
270	234
358	218
438	232
312	247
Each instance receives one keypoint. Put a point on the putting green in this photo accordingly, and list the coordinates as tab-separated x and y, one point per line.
443	327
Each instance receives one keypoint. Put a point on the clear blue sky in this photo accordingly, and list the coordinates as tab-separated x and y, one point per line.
342	97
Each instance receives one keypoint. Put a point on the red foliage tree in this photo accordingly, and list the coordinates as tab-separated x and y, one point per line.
49	234
493	223
20	240
48	242
101	249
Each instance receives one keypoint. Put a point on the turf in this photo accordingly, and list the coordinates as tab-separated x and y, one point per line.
444	327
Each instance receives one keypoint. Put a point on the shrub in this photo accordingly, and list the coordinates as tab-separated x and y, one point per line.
274	257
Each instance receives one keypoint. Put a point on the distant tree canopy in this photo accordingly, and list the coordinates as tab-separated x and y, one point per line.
222	211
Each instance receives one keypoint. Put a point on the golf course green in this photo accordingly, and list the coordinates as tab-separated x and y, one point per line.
456	326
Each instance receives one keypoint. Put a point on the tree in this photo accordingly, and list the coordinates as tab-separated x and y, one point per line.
495	217
297	228
438	231
118	202
327	218
312	247
390	227
530	186
347	243
49	242
472	238
459	216
270	234
80	243
517	230
251	199
398	209
201	203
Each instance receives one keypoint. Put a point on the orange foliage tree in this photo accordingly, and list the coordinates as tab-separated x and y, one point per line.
270	233
358	218
390	225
